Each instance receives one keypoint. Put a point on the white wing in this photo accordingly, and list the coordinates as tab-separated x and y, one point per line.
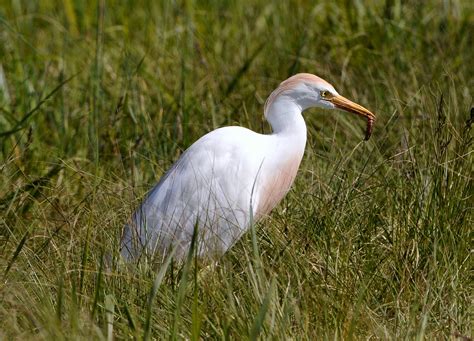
211	186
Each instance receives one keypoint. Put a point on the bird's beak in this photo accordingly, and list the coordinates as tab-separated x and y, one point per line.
349	106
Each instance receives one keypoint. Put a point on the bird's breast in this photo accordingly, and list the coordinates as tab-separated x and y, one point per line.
275	182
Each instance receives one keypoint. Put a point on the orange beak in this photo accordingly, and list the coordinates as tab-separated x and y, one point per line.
349	106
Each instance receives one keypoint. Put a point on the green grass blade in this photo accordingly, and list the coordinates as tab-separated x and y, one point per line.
258	323
154	291
18	249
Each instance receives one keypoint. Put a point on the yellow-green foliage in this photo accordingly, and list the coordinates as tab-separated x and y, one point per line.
97	99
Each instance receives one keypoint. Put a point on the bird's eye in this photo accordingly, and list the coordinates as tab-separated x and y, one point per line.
324	94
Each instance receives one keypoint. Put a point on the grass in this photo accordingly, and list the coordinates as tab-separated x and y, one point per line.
97	99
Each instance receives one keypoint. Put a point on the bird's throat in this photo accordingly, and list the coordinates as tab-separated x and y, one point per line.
285	118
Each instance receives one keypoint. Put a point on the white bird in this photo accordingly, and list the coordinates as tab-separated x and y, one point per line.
230	174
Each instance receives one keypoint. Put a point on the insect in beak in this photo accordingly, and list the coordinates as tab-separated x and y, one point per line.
344	104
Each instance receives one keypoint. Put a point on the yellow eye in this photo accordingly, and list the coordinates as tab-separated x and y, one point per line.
324	93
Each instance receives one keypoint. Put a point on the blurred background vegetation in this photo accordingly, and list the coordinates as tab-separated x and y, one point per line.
98	98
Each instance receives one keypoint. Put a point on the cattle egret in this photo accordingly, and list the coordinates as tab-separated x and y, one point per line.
230	174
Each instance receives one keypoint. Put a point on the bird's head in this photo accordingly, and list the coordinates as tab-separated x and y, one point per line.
309	91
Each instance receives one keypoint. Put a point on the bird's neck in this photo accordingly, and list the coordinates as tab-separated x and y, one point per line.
284	115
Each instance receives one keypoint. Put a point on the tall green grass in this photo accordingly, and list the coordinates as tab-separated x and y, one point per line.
97	99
